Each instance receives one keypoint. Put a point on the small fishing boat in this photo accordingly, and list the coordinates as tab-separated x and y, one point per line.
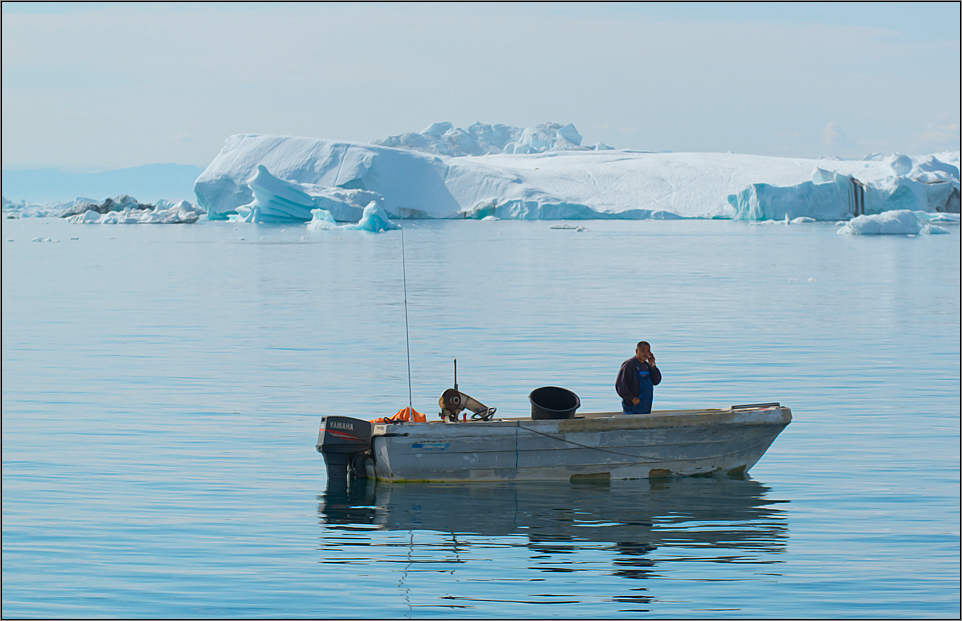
552	444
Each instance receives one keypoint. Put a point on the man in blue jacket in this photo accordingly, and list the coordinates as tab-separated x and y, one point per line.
637	380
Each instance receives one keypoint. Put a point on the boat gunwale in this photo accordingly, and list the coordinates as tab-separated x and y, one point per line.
612	421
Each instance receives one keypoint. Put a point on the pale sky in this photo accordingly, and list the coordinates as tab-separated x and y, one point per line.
94	86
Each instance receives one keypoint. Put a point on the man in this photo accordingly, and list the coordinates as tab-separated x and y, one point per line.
637	379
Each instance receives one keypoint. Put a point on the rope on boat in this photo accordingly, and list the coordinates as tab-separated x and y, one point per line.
595	448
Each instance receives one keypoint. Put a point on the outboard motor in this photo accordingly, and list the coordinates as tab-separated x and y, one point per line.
345	444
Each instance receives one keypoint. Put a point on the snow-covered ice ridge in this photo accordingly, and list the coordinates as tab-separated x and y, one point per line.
163	212
528	174
484	139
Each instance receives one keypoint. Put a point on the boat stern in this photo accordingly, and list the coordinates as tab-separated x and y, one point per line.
345	444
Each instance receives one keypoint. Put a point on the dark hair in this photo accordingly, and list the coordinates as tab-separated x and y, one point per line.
645	343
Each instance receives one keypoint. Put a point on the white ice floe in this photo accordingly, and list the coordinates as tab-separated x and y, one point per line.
902	222
553	178
373	220
939	217
322	220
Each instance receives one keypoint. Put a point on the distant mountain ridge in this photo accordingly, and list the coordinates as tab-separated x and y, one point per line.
148	183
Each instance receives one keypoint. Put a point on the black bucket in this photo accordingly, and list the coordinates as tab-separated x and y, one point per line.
553	402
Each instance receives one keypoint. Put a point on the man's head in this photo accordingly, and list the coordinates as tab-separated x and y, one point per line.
642	351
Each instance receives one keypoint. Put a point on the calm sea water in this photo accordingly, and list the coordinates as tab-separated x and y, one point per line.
162	389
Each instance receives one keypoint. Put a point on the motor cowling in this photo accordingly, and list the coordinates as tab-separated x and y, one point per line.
345	443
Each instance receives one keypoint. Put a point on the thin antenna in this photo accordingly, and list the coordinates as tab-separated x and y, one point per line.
407	335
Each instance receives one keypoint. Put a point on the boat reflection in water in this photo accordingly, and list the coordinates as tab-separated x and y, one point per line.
641	526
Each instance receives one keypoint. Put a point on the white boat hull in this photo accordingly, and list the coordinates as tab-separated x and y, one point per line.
593	446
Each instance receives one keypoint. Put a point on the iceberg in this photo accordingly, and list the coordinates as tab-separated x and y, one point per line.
276	200
122	209
827	196
403	179
373	220
322	220
901	222
543	172
830	195
131	212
